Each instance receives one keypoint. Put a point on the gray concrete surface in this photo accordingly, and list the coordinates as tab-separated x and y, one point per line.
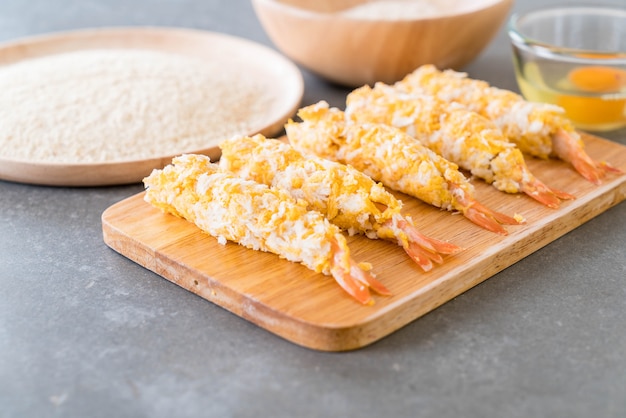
85	332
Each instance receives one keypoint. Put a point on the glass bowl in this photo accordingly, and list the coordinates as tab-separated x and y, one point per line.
574	57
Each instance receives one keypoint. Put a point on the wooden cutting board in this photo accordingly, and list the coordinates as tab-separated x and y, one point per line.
310	309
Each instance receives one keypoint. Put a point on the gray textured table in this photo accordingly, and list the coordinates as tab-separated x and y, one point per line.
86	332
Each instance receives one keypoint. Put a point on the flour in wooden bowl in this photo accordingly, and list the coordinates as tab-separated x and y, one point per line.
412	9
114	105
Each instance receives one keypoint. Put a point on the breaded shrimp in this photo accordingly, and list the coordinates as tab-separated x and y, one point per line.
538	129
347	197
456	133
257	217
390	156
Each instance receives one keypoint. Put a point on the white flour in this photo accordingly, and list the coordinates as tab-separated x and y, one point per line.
116	105
412	9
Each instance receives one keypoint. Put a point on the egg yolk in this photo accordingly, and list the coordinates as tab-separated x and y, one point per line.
598	79
595	110
592	110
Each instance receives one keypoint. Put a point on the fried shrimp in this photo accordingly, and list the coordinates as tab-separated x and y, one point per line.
390	156
258	217
466	138
347	197
538	129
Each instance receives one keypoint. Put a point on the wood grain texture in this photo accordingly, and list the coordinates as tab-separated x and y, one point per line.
310	309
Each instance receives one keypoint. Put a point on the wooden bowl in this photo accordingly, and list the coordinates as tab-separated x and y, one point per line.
353	51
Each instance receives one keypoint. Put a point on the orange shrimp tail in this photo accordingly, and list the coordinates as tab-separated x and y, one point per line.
562	195
443	247
544	194
429	243
484	220
354	288
569	148
422	249
354	280
422	257
500	217
589	169
368	279
480	214
609	168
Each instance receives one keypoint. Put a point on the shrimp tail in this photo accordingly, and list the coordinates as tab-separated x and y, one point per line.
422	249
562	195
352	278
548	196
609	168
354	288
422	257
429	243
569	147
484	219
482	215
368	279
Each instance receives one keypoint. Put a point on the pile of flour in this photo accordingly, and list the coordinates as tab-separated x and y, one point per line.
117	105
412	9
